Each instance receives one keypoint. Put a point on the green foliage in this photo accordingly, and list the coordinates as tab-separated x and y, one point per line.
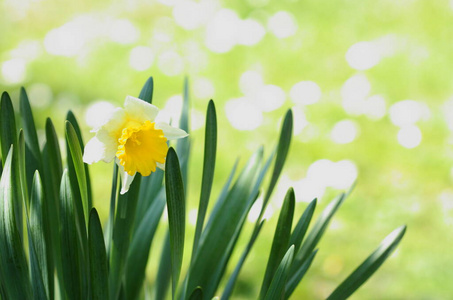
65	236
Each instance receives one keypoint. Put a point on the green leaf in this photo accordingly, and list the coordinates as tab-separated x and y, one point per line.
183	145
110	223
98	258
13	263
52	167
40	276
369	266
277	287
71	255
8	137
124	220
197	294
77	160
140	247
280	242
72	119
300	230
176	214
284	142
232	281
316	233
221	234
22	169
33	157
294	281
149	189
210	147
164	271
146	94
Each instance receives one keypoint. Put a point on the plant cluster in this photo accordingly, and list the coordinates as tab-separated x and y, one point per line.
61	250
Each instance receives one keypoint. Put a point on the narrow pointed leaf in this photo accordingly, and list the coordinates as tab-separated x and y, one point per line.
8	137
98	259
294	281
316	233
280	242
146	94
124	221
277	287
210	148
164	271
72	119
70	246
183	145
284	142
221	234
232	281
37	243
77	160
197	294
298	234
176	214
369	266
33	157
13	263
140	248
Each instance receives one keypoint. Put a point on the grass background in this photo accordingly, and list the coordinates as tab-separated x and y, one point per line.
396	185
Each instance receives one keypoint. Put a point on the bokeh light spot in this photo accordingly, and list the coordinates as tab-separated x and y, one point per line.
305	92
409	136
141	58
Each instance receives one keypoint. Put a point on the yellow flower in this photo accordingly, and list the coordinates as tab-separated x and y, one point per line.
131	137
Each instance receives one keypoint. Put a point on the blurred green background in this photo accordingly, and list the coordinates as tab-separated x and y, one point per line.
370	84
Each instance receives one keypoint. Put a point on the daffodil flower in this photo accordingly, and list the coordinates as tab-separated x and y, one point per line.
131	137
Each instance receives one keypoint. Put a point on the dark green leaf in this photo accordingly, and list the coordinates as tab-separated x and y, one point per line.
124	220
176	214
232	281
197	294
316	233
71	255
13	263
300	273
164	272
284	141
140	247
8	137
277	288
280	242
218	238
98	259
300	230
210	147
369	266
146	94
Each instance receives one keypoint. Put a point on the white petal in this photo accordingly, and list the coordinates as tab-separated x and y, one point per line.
160	166
115	122
170	132
96	150
140	110
126	179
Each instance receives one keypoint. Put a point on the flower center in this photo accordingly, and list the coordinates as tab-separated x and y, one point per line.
141	147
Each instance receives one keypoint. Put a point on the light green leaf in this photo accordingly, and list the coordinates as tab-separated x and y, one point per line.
33	157
40	276
146	94
13	263
294	281
300	230
164	272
